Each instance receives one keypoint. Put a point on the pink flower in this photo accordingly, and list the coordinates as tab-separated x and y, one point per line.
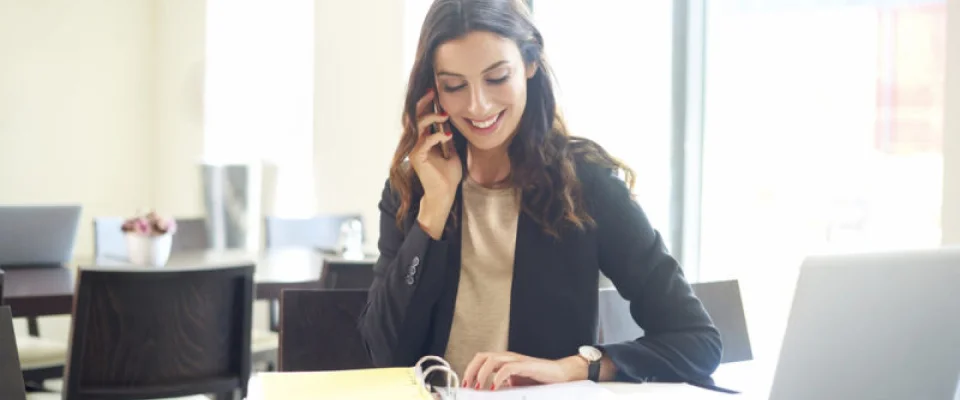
150	224
141	226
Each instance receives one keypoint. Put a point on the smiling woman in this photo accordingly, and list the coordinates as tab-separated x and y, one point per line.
501	88
491	257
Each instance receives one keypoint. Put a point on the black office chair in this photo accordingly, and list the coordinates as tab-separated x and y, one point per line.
347	274
151	333
11	379
192	235
321	233
318	330
721	300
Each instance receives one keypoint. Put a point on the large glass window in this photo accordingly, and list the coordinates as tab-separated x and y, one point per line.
612	59
822	134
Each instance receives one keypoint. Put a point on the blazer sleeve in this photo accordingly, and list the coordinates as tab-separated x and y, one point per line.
680	342
408	278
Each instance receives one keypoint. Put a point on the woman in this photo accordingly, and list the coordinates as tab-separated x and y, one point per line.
490	257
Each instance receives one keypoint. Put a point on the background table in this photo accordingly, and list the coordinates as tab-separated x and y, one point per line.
32	292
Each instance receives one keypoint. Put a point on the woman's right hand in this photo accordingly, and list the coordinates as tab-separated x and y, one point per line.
439	176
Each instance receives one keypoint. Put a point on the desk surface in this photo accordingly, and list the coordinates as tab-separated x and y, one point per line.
49	290
302	385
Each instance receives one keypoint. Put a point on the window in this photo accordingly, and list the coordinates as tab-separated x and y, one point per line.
614	75
822	134
259	94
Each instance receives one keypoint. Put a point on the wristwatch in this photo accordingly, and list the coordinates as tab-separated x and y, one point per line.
593	356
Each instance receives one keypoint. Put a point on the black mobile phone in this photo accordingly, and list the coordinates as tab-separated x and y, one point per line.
438	127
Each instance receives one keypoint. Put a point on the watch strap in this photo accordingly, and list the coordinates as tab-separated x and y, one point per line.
593	371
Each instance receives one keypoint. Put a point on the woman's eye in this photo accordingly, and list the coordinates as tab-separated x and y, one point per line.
498	81
450	89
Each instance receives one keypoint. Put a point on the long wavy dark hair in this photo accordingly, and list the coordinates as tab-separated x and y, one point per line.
543	155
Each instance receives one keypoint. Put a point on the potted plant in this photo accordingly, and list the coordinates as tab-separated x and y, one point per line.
149	238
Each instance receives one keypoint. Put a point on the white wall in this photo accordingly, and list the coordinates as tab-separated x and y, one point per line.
951	129
358	99
77	109
180	46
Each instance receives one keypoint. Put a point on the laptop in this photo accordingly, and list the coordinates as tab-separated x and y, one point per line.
11	378
877	326
37	235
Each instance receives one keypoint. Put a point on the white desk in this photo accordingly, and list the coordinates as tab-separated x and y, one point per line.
665	391
659	391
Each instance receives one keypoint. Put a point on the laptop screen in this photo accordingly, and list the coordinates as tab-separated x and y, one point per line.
37	235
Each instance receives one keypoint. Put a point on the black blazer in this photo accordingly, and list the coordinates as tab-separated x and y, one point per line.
553	305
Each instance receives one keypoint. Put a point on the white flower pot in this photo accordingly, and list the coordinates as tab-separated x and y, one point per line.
149	250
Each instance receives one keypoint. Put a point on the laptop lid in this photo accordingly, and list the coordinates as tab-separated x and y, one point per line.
37	235
877	326
11	378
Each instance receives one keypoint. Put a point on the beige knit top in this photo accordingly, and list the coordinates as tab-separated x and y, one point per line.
481	317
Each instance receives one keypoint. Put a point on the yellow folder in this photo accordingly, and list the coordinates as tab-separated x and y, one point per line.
360	384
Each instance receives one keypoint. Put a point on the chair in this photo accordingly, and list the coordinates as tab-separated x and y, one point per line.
321	232
43	359
160	333
192	235
721	300
11	379
318	330
346	274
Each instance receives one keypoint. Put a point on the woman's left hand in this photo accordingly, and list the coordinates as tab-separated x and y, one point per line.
505	369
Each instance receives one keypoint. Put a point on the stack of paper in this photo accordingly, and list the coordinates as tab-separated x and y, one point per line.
582	390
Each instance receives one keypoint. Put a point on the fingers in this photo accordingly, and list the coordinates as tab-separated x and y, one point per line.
508	374
469	374
490	367
431	119
425	101
428	142
484	366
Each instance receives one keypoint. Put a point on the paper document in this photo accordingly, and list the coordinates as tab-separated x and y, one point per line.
666	391
581	390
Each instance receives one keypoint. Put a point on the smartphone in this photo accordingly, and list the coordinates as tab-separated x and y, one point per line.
437	128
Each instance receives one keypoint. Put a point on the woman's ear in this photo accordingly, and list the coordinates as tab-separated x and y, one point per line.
531	69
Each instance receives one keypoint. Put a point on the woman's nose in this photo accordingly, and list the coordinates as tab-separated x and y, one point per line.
479	103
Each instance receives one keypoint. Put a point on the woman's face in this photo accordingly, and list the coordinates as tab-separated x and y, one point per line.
482	82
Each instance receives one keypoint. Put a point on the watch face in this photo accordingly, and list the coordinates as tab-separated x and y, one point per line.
590	353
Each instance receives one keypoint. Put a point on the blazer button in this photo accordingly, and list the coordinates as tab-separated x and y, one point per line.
415	262
410	280
412	271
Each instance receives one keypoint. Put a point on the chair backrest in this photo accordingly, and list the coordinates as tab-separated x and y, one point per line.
320	232
192	235
109	240
161	332
346	274
318	330
721	300
1	287
11	378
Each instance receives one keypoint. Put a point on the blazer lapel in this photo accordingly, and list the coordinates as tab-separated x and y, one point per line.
527	270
